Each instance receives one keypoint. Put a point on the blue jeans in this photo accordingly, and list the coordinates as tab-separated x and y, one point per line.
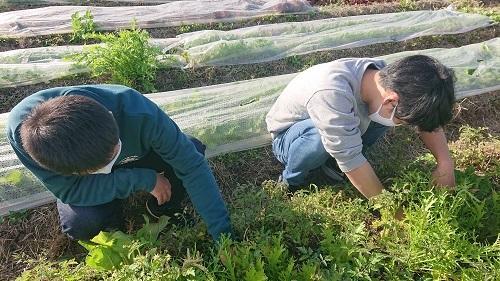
300	149
85	222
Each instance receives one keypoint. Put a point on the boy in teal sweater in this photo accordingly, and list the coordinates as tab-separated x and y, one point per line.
93	145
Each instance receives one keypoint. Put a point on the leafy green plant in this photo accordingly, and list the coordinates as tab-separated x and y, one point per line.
125	58
266	259
154	265
480	213
112	250
435	234
83	26
68	270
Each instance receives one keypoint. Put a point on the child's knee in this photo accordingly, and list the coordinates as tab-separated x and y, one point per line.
83	223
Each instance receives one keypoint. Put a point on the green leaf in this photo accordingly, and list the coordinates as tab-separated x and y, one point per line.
14	177
88	245
103	258
103	238
150	231
256	273
107	250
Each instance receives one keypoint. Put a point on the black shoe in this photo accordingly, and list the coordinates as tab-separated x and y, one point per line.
175	213
291	188
331	169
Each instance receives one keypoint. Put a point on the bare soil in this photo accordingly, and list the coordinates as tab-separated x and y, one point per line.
23	5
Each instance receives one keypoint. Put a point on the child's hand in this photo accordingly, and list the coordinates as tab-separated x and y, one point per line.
444	175
162	190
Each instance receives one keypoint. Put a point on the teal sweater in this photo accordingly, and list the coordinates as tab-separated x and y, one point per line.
143	127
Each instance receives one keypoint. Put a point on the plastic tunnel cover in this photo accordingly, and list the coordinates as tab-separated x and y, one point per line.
275	41
252	44
81	2
57	19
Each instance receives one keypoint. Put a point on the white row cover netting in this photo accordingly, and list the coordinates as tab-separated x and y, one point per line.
251	45
57	19
13	3
230	117
275	41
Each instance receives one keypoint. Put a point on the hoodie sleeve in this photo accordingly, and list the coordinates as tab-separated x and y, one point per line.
89	190
191	167
332	112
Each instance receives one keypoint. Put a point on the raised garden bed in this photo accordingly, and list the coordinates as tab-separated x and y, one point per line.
434	241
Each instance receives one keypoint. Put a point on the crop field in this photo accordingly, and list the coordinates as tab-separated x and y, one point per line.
216	72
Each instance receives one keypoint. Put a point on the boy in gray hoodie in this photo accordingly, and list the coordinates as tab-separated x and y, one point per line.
330	112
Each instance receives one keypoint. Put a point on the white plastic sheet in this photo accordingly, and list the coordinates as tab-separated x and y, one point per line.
50	54
255	44
57	19
275	41
38	55
230	117
32	73
80	2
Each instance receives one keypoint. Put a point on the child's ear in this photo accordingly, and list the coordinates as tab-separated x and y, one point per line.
391	96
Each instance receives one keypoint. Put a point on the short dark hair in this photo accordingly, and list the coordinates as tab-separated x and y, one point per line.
425	88
70	135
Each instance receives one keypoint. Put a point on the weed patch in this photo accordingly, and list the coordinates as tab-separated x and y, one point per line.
124	58
412	231
83	27
478	149
325	235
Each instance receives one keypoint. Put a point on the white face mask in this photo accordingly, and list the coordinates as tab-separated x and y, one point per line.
376	117
107	169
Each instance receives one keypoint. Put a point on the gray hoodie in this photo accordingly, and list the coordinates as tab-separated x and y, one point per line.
328	94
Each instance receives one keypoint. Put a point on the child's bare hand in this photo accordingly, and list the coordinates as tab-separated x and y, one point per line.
444	176
162	190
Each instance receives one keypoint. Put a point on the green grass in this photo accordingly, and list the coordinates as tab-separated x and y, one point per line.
15	217
325	233
407	5
477	7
